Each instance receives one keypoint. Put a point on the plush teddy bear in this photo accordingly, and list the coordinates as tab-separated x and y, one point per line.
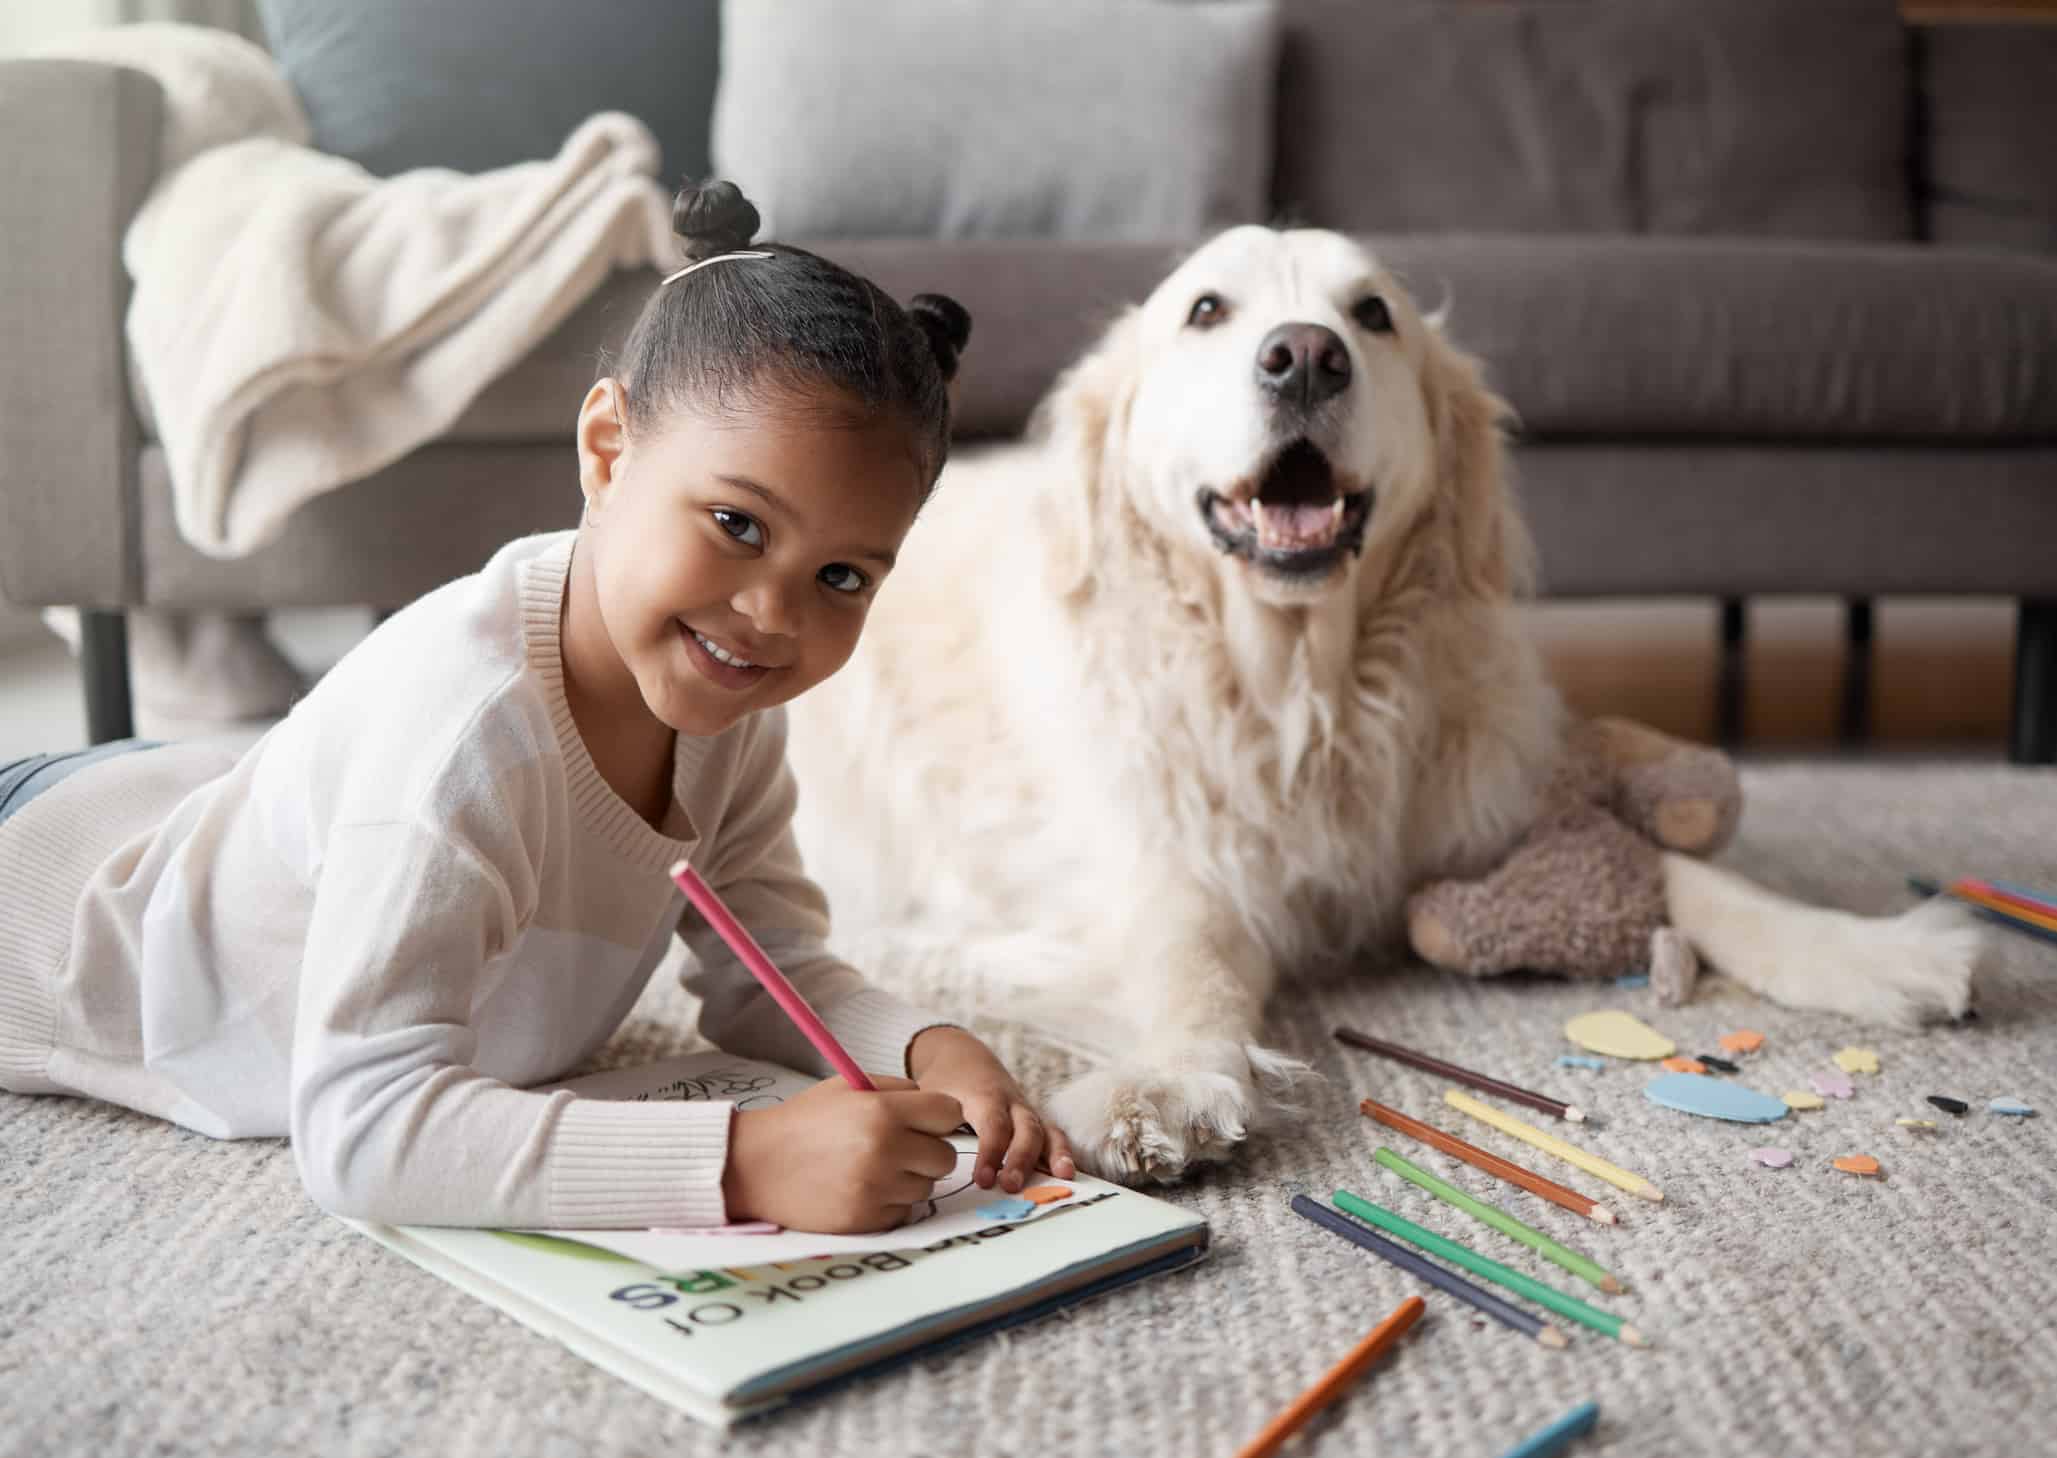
1582	893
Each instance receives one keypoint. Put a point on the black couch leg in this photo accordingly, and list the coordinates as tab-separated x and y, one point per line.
104	663
2035	683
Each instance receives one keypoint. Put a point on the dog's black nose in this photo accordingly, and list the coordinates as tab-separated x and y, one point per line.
1303	364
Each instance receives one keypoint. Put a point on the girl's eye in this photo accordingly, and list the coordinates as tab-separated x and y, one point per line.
740	527
843	577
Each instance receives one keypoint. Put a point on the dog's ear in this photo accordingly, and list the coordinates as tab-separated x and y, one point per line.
1077	424
1492	553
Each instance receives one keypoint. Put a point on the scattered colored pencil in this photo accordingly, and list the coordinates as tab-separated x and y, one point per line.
1478	1081
1376	1343
2041	900
1996	912
1550	1441
1592	1164
1585	1269
1463	1255
1501	1310
1981	893
783	992
1491	1163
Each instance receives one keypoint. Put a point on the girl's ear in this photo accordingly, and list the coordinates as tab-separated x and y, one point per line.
1079	423
1491	549
601	439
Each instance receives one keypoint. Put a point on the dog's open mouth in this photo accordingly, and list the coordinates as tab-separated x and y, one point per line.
1293	517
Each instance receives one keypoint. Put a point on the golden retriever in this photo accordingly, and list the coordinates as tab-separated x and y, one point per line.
1197	685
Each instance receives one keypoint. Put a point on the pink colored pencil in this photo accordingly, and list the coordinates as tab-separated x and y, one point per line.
783	992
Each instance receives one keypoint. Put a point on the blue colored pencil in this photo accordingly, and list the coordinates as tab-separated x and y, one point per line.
2027	893
1501	1311
1930	888
1557	1437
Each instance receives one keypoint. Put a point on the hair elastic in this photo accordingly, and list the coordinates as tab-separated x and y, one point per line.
717	258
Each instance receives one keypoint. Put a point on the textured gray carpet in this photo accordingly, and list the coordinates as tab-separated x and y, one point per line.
164	1294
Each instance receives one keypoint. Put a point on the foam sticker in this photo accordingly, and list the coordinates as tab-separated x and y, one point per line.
1579	1060
1714	1098
1618	1035
1742	1040
1006	1209
1046	1194
1835	1085
1771	1157
1857	1164
1719	1065
1857	1060
1682	1064
2011	1106
1916	1125
1633	979
1800	1099
1947	1104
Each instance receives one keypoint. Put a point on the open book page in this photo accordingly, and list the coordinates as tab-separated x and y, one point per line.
956	1206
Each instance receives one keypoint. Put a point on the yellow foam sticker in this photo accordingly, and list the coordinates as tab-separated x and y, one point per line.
1797	1098
1857	1060
1618	1035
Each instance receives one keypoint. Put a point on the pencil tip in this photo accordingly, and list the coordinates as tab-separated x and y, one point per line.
1651	1193
1575	1114
1633	1337
1612	1286
1550	1336
1604	1215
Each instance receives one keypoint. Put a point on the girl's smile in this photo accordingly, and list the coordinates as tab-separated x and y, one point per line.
726	665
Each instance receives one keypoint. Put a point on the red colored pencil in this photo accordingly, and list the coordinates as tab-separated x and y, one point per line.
1478	1081
1492	1164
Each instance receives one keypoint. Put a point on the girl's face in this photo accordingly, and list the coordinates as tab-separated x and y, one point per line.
734	560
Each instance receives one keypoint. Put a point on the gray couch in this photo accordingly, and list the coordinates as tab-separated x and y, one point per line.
1819	357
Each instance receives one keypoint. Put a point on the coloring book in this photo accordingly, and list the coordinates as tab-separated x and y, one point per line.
728	1326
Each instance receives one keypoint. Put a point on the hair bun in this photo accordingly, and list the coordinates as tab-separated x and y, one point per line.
711	218
947	325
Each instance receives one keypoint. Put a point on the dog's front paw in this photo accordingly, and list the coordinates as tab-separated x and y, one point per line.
1153	1121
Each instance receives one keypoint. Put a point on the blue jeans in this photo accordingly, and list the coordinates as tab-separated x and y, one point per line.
24	779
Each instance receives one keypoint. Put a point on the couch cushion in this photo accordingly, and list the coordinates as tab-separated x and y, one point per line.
1586	337
476	84
1987	158
1754	117
994	118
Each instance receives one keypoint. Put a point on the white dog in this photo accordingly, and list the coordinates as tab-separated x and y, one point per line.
1200	684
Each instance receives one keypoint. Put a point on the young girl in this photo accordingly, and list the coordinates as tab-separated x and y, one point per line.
441	880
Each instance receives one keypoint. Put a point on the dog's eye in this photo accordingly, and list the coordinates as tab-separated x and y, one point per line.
1373	314
1208	311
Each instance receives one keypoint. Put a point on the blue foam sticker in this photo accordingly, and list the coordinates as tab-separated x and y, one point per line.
1579	1060
1715	1098
1006	1209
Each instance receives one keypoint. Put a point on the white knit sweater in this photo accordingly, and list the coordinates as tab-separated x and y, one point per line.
411	900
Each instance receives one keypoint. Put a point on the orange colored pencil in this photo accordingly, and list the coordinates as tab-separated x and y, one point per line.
1981	894
1332	1383
1492	1164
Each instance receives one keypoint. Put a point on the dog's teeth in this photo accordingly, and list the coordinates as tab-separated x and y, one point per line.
1335	511
1257	515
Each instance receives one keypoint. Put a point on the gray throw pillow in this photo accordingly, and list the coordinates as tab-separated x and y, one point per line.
1745	117
997	118
478	84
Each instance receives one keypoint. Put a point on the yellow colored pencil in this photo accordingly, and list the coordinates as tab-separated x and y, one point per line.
1592	1164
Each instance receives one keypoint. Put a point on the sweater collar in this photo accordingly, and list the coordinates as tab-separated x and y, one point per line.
542	582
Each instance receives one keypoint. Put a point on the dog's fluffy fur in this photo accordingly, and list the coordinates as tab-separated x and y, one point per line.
1090	702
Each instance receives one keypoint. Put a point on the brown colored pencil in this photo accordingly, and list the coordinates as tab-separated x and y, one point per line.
1492	1164
1332	1383
1463	1075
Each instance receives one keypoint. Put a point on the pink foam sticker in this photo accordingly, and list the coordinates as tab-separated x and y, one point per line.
1835	1085
1772	1158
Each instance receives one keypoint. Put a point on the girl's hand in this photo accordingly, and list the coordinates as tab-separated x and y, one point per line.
1012	1136
839	1160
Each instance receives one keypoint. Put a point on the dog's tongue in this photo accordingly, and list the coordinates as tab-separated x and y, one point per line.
1287	528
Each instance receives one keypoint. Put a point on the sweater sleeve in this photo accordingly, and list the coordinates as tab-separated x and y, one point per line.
389	1120
754	865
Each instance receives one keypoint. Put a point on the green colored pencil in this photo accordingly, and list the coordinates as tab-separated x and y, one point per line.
1500	1220
1478	1265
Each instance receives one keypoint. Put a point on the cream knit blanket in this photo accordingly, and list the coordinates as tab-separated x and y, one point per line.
298	323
